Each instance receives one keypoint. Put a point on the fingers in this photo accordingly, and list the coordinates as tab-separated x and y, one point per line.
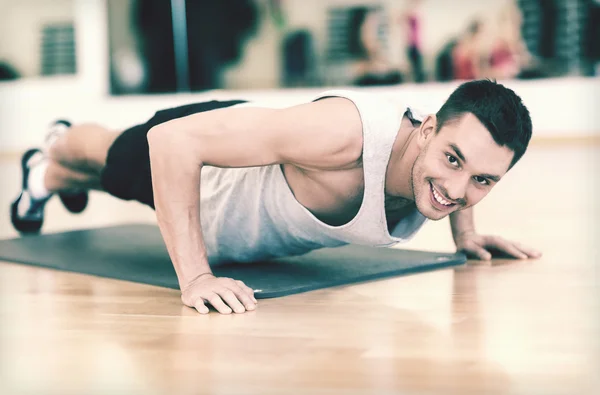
242	295
530	252
224	294
481	253
231	299
472	248
239	297
249	291
201	307
225	300
216	302
479	246
506	247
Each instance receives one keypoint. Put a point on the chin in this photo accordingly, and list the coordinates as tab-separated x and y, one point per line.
430	214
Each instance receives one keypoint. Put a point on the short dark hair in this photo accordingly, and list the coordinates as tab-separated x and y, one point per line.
498	108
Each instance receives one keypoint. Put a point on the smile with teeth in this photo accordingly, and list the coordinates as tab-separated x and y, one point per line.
439	198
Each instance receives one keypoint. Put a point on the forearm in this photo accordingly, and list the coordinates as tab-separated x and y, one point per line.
176	184
462	222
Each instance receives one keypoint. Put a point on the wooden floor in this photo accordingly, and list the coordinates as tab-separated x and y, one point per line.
527	327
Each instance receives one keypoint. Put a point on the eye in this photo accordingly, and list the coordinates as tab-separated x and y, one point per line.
481	180
452	160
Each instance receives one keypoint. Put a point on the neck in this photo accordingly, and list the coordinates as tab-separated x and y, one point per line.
404	154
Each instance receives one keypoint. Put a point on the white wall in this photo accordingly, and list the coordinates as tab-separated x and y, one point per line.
562	107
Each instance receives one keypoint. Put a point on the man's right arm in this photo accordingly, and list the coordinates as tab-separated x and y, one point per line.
325	134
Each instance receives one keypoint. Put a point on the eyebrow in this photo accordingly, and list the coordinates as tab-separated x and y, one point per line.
490	177
459	153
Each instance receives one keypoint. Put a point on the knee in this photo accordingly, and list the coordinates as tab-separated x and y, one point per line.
83	144
77	136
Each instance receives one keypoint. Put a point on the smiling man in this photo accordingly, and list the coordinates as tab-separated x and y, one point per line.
236	181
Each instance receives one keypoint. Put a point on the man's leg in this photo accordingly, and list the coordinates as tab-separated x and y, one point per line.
89	156
82	149
69	165
59	178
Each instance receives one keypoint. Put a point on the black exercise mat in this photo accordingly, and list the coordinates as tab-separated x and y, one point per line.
137	253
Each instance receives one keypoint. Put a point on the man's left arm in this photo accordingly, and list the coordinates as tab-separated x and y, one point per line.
473	244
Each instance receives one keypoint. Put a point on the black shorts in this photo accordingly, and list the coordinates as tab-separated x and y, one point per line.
127	172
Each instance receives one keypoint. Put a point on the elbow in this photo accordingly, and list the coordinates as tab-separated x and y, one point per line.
163	139
157	137
162	145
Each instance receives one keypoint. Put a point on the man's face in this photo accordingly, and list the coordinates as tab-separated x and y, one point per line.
456	167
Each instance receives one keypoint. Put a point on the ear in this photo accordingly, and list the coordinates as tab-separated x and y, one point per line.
426	131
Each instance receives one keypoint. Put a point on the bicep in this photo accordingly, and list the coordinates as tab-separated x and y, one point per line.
322	134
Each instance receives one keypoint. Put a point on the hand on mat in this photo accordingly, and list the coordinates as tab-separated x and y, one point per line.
224	294
482	247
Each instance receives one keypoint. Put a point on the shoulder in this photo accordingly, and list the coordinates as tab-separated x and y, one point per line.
335	123
367	106
324	133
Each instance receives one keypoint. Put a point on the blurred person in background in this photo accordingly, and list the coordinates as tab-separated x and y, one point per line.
493	47
216	31
411	21
507	47
372	66
509	55
466	53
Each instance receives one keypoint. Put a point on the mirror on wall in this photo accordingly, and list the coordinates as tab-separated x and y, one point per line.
37	38
158	46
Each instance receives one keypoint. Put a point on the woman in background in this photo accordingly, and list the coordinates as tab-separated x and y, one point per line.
466	54
372	66
412	20
508	55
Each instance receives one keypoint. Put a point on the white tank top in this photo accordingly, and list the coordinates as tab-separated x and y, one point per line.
251	214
